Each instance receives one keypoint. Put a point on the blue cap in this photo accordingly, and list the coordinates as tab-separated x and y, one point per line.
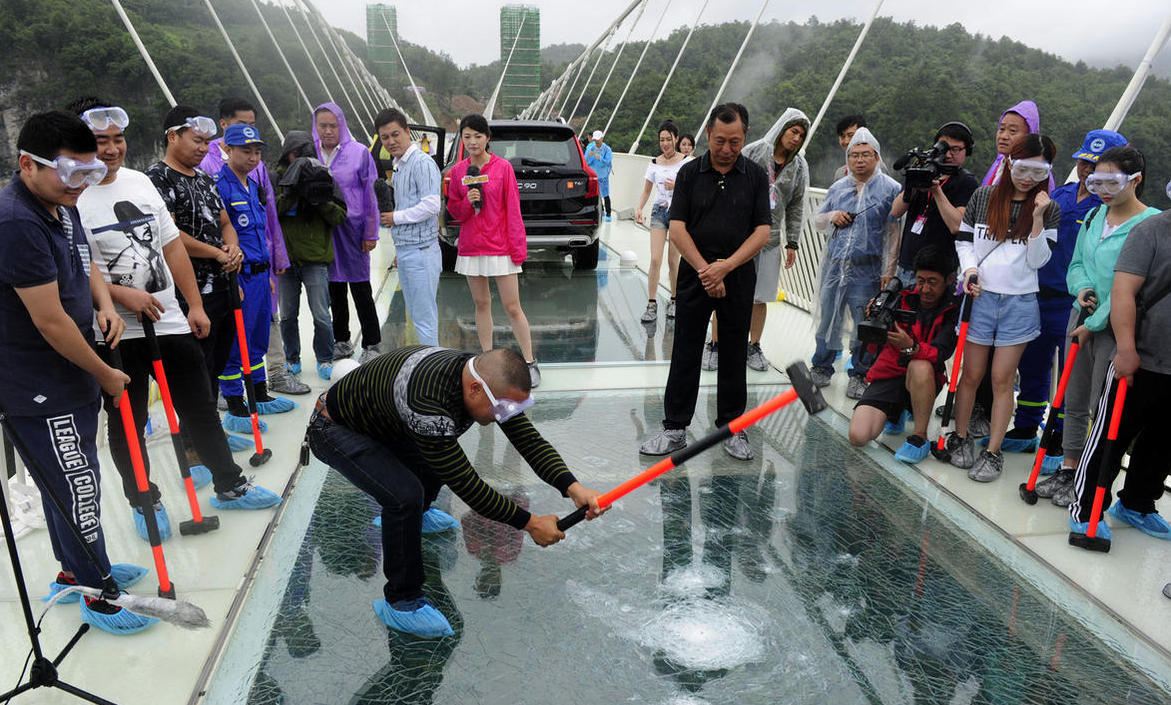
1096	142
242	134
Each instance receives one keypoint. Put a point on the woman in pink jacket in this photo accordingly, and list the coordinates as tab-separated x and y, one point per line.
492	237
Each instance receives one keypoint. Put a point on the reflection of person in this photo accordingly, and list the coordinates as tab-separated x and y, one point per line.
600	158
391	427
493	544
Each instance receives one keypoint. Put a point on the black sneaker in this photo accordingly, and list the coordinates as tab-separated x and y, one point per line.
236	406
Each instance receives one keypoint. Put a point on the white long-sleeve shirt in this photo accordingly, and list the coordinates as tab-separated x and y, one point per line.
1008	266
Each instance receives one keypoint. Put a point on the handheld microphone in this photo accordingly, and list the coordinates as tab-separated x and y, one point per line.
473	181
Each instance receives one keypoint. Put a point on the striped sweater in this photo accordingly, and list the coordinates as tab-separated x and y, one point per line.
411	400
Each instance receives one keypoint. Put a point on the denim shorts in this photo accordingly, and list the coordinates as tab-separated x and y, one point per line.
1001	320
660	217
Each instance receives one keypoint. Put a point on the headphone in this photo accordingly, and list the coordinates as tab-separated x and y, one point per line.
967	139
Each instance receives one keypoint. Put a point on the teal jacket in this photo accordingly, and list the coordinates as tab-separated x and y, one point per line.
1092	266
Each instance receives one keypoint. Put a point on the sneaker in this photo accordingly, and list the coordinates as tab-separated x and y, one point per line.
435	521
534	374
737	446
294	368
112	618
246	496
962	451
710	360
1150	524
979	424
161	518
756	358
894	428
913	450
671	308
342	349
1020	440
856	388
651	313
1066	495
324	370
988	467
1062	478
820	378
416	617
288	384
369	352
664	442
124	574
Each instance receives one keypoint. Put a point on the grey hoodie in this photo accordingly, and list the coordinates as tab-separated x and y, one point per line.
787	189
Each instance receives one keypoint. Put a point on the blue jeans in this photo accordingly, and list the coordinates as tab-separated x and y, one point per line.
418	274
315	278
836	298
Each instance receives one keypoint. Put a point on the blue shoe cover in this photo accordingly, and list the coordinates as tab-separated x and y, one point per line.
325	370
293	367
1151	524
894	429
256	497
1017	445
124	574
1081	527
1051	464
376	521
424	620
161	518
278	405
120	623
436	520
239	443
200	476
910	453
242	424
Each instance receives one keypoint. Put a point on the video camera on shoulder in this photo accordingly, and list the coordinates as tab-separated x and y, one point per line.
885	311
921	167
315	185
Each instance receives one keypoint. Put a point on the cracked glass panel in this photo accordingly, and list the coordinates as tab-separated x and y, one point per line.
807	575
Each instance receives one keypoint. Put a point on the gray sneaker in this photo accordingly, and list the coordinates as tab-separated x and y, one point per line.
534	374
979	425
1065	495
342	349
962	451
711	358
368	353
988	467
1053	484
737	446
664	442
651	313
287	384
820	378
856	388
756	358
671	308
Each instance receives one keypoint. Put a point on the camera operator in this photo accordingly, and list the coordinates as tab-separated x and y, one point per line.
934	214
909	371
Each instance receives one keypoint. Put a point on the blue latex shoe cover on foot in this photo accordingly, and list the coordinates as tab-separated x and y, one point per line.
1051	464
278	405
325	370
424	620
125	574
161	518
256	498
293	367
894	429
911	453
120	623
1016	445
1081	527
239	443
1151	524
376	521
436	520
242	424
200	476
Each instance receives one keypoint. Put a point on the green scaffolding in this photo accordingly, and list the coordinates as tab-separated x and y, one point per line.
522	80
380	45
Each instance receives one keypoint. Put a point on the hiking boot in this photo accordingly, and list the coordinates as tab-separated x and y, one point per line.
820	378
710	360
664	442
737	446
756	358
1060	480
342	349
962	451
988	467
651	313
856	388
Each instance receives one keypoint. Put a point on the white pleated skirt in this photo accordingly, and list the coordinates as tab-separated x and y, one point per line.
486	266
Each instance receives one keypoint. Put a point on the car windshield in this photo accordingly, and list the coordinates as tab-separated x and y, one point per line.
535	148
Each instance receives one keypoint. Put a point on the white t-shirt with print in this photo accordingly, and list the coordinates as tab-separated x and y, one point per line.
659	175
127	225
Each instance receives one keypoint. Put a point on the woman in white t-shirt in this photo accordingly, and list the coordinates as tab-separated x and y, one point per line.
660	176
1003	240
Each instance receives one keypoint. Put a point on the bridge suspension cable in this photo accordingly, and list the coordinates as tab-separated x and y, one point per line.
279	51
841	75
667	80
617	56
427	116
328	61
244	70
637	64
719	93
585	86
327	30
150	64
312	61
582	63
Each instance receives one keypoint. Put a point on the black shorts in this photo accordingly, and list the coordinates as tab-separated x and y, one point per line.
890	396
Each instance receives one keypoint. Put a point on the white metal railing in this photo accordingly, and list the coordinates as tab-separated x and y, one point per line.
799	283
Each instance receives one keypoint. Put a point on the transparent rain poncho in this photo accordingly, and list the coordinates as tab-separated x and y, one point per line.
856	256
786	188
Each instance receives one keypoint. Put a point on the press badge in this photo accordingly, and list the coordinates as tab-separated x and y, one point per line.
917	226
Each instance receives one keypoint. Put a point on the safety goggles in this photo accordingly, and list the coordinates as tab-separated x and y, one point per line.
200	125
502	409
100	119
1109	184
72	173
1032	169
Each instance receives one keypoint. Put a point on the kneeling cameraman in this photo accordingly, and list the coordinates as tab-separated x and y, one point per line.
909	371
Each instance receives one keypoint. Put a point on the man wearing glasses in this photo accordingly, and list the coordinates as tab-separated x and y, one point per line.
934	215
392	428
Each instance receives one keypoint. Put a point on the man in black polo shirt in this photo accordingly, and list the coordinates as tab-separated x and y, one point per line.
720	219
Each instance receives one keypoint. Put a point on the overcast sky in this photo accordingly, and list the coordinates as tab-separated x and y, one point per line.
1096	31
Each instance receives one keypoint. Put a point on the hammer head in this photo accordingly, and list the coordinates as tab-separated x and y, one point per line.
807	391
259	459
192	527
1090	543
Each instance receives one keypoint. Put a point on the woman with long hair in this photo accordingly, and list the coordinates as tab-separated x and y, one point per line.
1002	242
1118	181
492	242
660	176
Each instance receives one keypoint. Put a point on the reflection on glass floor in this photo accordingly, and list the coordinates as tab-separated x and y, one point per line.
805	576
574	316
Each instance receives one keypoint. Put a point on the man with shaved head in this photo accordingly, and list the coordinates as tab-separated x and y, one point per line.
392	428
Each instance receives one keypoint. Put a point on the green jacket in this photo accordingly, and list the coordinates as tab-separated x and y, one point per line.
1092	266
308	229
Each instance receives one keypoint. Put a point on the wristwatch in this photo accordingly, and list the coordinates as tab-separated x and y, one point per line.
911	350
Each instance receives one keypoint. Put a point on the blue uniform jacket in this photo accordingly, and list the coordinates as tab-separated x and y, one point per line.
246	214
